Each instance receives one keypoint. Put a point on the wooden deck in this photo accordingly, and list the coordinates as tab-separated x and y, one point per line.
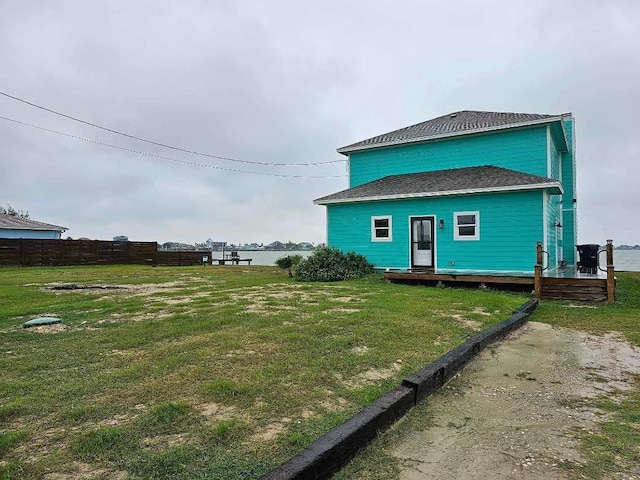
448	277
589	290
557	284
561	283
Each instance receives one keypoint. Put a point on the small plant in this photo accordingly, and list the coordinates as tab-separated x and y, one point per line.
288	263
330	264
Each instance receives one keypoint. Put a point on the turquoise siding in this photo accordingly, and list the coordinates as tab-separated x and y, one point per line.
569	207
523	150
40	234
553	233
568	166
569	239
510	225
554	163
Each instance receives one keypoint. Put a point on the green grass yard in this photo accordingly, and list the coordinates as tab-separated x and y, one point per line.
194	372
611	449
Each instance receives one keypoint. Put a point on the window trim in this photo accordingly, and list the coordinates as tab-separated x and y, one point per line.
456	230
374	229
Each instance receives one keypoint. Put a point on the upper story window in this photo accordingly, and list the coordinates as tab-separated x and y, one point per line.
466	225
381	229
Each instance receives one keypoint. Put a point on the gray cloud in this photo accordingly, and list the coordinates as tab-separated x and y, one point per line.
289	82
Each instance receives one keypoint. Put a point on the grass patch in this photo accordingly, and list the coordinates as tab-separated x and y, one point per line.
167	417
17	470
106	443
623	316
188	462
612	449
201	372
8	439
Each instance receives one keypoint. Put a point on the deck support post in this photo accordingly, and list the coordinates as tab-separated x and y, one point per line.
539	253
537	281
537	269
611	279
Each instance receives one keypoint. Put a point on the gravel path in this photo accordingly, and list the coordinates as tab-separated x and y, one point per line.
511	413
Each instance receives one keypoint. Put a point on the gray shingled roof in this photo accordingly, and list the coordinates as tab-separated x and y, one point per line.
486	178
18	223
457	123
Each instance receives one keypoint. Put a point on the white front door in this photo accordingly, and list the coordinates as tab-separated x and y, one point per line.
422	242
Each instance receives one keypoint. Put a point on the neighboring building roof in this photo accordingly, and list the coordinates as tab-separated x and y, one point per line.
458	181
458	123
19	223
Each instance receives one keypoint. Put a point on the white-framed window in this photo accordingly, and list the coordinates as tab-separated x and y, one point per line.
381	229
466	225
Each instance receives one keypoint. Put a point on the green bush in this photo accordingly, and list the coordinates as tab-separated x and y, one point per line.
330	265
288	263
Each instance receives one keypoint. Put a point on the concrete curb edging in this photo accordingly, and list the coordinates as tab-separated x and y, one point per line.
333	450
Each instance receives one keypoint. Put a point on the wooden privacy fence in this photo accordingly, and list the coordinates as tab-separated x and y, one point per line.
183	257
35	252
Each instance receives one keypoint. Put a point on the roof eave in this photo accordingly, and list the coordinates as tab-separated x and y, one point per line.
542	121
54	228
565	137
556	188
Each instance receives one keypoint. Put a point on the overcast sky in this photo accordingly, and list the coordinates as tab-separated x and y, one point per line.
289	82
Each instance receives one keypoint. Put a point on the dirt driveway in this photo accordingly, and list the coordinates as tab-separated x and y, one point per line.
510	414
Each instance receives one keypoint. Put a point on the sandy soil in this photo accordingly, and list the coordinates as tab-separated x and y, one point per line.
511	413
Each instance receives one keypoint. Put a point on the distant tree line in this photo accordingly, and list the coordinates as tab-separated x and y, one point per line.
217	246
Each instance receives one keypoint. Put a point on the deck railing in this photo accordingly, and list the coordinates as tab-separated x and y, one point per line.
539	278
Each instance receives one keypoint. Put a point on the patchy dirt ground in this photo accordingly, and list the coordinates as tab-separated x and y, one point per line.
511	413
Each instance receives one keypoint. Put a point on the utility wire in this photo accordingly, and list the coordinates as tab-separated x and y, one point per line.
205	165
184	150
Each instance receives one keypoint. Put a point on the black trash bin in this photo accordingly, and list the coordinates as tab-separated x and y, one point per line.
588	258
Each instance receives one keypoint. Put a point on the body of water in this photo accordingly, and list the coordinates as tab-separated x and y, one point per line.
265	257
624	260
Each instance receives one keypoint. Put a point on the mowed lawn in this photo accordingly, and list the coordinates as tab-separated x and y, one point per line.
204	372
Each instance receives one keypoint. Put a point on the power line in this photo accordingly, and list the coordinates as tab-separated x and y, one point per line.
194	164
159	144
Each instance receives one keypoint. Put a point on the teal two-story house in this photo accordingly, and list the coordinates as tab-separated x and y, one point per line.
468	192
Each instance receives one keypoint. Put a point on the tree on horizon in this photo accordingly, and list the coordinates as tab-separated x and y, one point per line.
13	212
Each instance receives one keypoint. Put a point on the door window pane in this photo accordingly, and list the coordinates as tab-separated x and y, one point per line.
424	235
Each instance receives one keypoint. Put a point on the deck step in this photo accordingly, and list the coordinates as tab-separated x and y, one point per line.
593	290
